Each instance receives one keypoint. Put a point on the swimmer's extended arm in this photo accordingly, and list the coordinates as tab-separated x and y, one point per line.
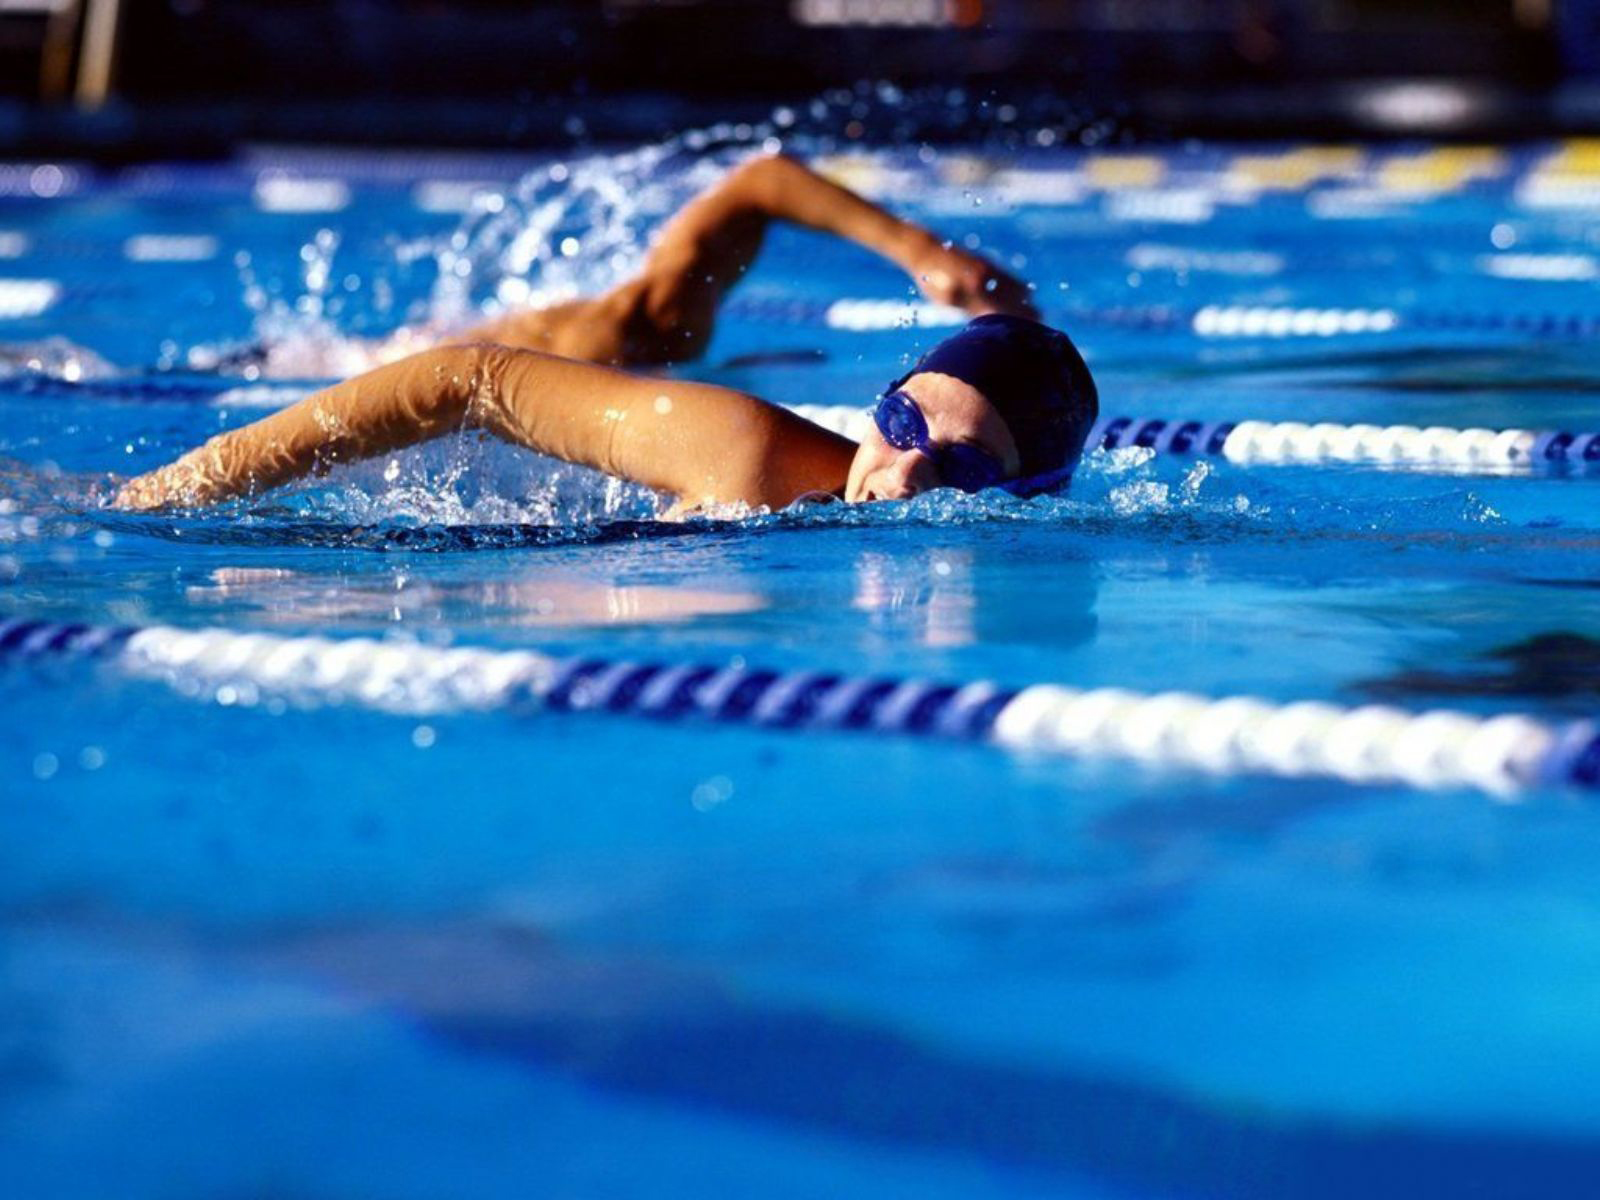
703	444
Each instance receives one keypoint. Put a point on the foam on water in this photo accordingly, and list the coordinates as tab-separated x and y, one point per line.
463	496
54	358
577	226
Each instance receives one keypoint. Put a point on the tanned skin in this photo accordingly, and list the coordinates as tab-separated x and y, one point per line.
553	379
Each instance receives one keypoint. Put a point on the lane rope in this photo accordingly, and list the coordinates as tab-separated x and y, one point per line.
1295	443
1211	321
1372	744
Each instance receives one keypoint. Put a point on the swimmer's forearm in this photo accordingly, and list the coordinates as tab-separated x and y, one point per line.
703	444
401	404
942	272
707	248
788	190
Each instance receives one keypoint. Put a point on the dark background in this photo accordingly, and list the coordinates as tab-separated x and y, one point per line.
197	74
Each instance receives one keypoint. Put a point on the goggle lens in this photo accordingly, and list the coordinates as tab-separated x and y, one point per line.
904	427
901	422
968	468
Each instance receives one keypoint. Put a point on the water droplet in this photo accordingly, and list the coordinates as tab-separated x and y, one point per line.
711	792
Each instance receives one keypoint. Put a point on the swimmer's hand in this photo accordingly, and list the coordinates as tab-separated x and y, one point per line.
140	494
949	275
173	486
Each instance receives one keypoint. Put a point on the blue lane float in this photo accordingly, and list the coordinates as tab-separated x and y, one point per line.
1207	321
1290	443
1296	443
1372	744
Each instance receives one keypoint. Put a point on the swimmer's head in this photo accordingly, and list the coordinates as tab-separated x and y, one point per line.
1005	388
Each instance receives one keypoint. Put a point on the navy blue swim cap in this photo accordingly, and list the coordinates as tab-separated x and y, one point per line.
1033	374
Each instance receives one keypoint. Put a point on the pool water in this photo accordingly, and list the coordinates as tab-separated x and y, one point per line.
257	947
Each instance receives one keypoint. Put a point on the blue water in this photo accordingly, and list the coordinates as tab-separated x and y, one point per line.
272	951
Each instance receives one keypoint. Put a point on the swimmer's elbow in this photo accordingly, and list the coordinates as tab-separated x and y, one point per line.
460	385
760	180
752	469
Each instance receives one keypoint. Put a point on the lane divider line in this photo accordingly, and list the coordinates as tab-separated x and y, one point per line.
1372	744
1211	321
1295	443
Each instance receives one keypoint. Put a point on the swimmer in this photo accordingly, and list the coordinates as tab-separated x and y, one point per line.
1005	402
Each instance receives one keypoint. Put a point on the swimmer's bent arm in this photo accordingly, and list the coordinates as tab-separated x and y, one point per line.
709	245
702	444
667	311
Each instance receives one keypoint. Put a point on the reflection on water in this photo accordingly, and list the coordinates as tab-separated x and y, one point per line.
1553	665
927	597
909	587
283	596
933	597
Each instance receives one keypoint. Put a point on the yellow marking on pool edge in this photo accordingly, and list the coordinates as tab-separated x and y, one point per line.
1116	171
1567	177
1293	169
1477	160
1334	157
1442	170
1577	156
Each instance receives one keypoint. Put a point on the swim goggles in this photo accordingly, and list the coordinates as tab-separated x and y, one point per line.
899	419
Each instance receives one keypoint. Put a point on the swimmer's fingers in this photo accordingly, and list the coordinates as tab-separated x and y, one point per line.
165	487
997	291
139	495
946	275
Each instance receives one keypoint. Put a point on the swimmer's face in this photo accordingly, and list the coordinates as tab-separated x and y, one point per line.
957	413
